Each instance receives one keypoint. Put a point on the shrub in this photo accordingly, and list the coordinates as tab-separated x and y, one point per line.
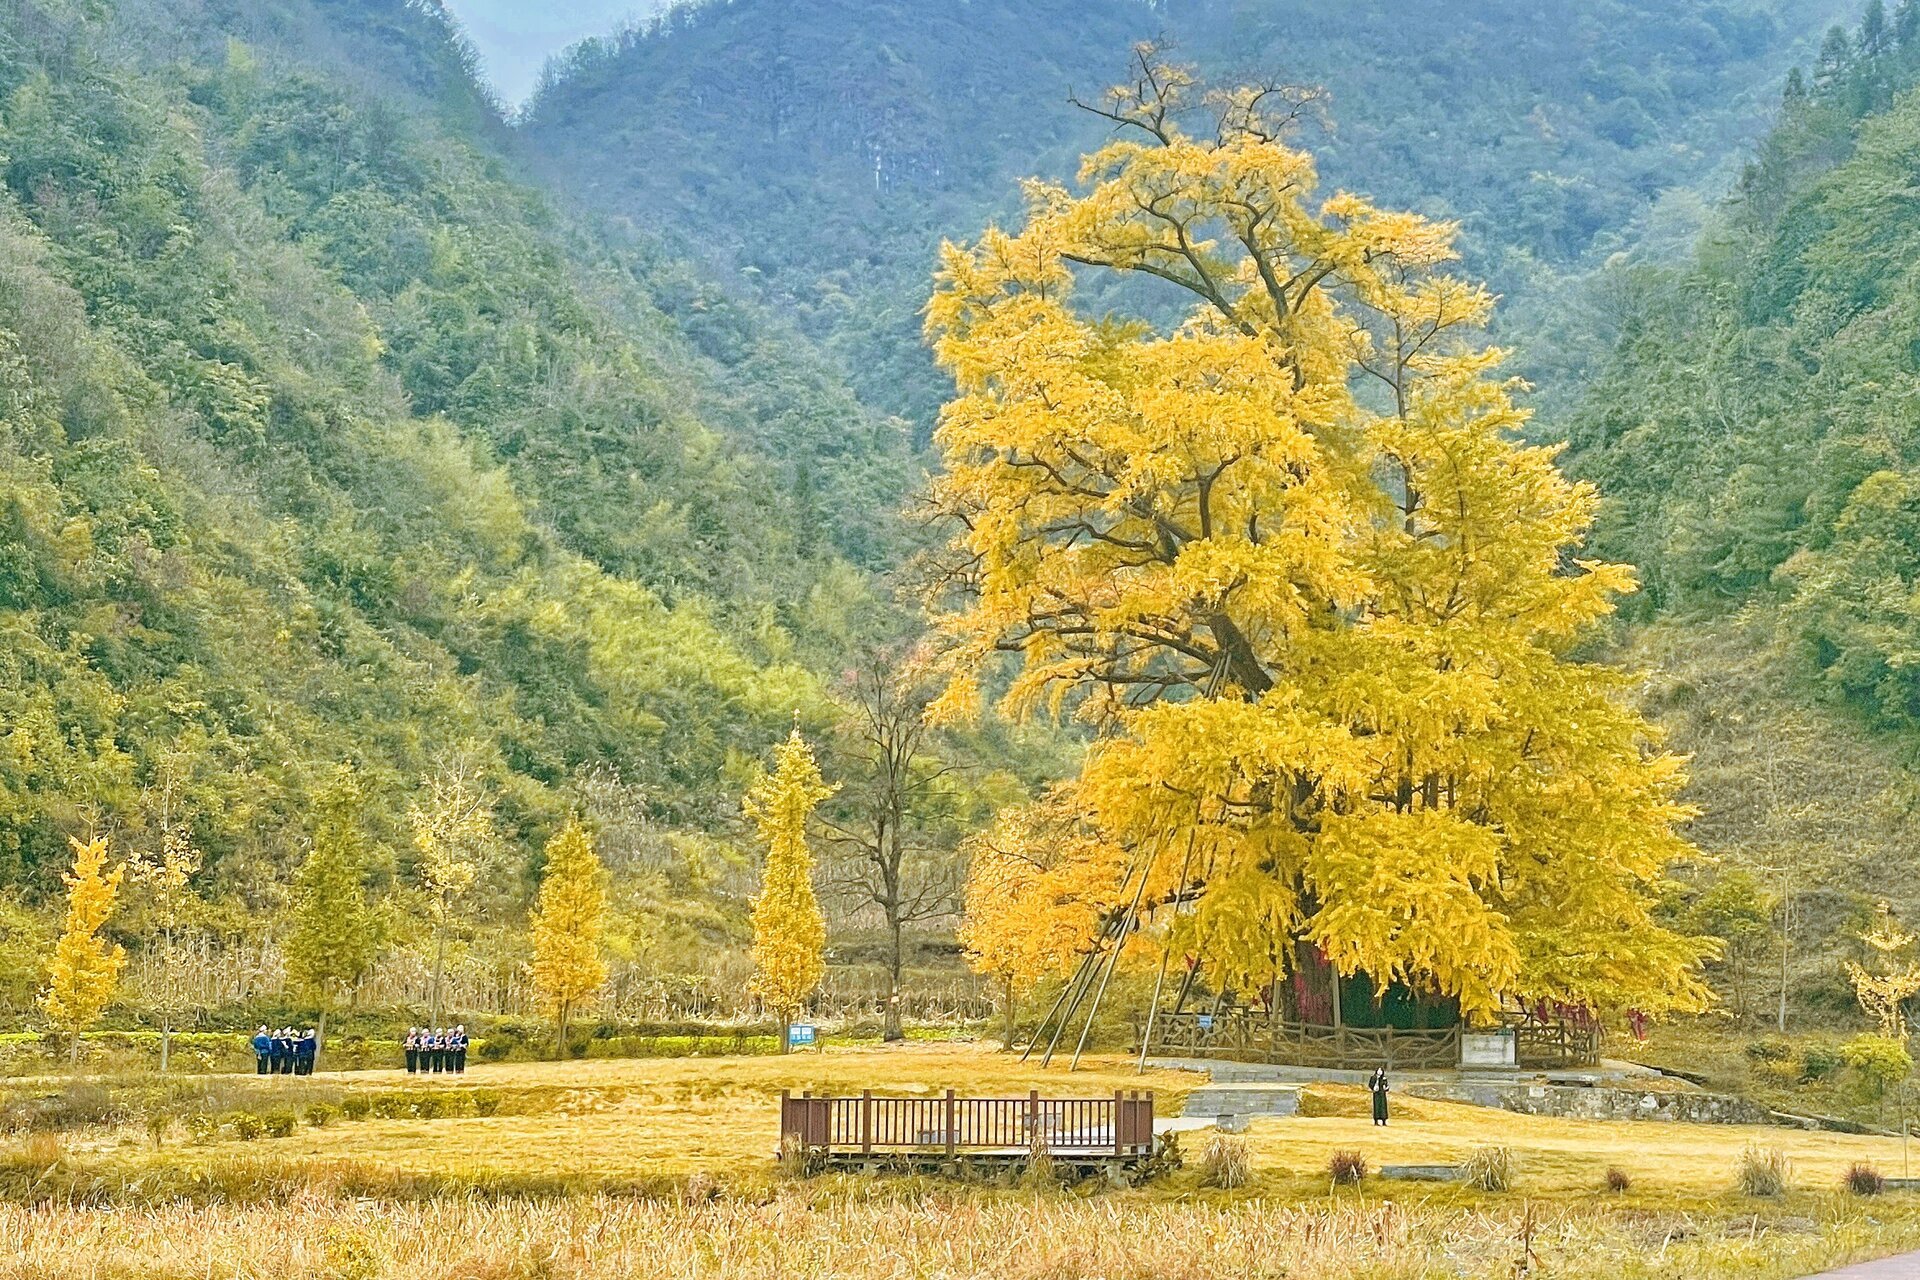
1880	1061
392	1106
1761	1172
1490	1168
246	1126
1346	1167
280	1122
202	1128
485	1102
1224	1162
1818	1061
355	1106
158	1122
1769	1049
1864	1180
428	1106
1617	1180
320	1115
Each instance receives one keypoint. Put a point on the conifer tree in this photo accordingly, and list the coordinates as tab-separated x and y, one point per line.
567	964
789	933
1875	36
85	967
1295	564
336	930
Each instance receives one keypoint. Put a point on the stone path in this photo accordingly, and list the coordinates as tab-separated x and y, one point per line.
1904	1267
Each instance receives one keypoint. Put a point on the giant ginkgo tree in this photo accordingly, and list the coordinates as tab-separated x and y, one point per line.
1292	558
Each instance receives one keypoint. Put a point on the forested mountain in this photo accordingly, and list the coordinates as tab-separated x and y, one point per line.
1754	432
822	148
324	440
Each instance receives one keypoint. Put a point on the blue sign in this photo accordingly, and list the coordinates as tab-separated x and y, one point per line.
1206	1023
799	1035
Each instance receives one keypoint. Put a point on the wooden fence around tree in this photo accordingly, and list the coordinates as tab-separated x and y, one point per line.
1549	1045
1245	1037
1119	1127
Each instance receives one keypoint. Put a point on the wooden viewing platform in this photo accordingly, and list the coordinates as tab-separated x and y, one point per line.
949	1132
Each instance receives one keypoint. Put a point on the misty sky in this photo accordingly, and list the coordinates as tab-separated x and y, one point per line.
515	36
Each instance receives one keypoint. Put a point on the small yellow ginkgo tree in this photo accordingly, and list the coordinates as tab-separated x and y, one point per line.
789	933
85	968
567	964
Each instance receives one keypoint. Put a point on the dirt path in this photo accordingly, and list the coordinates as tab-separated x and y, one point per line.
1904	1267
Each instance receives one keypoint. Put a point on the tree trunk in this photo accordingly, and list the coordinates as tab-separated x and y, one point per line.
73	1055
786	1029
890	1031
565	1049
439	972
166	1041
1007	1000
1786	949
319	1037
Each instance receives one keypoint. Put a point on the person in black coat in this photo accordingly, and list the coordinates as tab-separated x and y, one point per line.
262	1051
1377	1085
412	1045
460	1049
306	1052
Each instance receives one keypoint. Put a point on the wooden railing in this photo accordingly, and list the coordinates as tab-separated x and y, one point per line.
1546	1045
1119	1126
1244	1037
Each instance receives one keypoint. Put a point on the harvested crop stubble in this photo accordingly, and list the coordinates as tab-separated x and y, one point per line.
959	1236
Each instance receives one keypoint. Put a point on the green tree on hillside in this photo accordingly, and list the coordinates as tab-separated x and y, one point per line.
335	930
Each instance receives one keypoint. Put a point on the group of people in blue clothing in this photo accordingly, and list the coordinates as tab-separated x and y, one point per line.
287	1051
432	1049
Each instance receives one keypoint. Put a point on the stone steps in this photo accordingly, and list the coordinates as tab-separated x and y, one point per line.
1242	1102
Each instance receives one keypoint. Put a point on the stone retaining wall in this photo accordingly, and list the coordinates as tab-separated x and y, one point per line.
1585	1103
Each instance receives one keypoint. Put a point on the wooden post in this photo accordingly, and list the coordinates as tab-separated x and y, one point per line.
1033	1116
866	1122
1339	1027
1118	1098
1166	953
950	1122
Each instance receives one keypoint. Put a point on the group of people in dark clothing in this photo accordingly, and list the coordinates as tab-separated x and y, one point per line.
436	1049
287	1051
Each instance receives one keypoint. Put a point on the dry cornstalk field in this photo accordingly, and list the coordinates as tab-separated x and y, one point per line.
956	1236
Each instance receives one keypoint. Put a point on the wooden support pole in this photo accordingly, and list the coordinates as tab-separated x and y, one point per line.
1119	1104
951	1119
866	1122
1119	944
1166	954
1076	987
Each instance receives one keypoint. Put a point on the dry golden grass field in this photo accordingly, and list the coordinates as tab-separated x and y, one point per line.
664	1168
